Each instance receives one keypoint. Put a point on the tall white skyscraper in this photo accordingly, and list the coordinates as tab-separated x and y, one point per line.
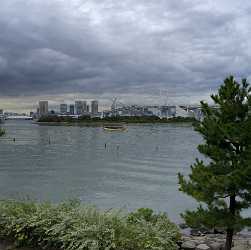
80	107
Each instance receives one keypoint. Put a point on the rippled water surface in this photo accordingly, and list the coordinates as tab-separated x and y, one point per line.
132	169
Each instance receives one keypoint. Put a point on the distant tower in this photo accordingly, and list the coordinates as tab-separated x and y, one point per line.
72	109
63	108
163	105
80	107
84	104
114	106
43	108
94	107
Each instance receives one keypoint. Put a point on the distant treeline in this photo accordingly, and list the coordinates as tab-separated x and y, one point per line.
124	119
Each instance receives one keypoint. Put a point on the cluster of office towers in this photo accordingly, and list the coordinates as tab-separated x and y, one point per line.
79	108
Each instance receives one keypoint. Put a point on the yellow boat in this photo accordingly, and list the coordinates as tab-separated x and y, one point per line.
114	127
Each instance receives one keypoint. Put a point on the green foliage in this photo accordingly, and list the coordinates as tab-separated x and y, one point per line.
222	185
124	119
145	214
2	132
74	226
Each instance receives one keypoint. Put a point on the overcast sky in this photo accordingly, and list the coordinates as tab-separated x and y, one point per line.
61	50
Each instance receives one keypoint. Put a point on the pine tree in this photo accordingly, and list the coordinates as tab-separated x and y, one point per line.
222	182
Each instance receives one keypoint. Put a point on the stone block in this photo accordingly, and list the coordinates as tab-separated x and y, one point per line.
216	246
188	245
202	247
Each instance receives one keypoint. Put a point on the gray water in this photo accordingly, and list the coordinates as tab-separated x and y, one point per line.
137	168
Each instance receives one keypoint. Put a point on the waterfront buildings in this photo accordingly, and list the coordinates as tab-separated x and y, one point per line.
168	111
43	108
94	107
63	109
1	116
143	110
80	107
72	109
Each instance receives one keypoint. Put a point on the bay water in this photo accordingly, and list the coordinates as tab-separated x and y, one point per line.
124	170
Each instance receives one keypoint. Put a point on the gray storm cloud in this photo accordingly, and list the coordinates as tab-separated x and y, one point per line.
125	47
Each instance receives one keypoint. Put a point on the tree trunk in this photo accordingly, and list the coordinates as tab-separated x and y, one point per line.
230	231
229	239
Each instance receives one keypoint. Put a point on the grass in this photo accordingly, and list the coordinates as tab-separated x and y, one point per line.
73	226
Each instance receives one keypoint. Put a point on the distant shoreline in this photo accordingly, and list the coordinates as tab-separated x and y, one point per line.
98	122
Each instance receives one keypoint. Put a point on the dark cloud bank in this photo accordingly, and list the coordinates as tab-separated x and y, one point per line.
124	47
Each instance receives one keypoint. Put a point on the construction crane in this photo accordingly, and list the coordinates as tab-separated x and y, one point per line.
114	105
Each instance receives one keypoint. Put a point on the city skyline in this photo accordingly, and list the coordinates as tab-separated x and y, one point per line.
65	50
104	104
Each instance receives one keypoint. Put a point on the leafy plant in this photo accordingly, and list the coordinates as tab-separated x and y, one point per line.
74	226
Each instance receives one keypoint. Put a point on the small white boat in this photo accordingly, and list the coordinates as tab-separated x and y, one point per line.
114	127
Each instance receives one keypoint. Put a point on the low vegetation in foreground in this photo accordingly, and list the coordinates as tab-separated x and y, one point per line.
74	226
124	119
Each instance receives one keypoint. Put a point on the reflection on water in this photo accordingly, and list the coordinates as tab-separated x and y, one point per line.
137	168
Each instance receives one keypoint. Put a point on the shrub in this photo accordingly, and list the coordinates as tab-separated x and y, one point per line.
74	226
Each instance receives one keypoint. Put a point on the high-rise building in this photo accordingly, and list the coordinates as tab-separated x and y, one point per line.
72	109
63	108
80	107
94	107
43	107
84	106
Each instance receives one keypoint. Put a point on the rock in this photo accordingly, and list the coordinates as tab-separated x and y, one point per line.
216	246
240	248
202	247
183	225
188	245
241	244
195	232
249	242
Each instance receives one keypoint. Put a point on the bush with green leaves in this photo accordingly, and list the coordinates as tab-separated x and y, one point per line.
74	226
